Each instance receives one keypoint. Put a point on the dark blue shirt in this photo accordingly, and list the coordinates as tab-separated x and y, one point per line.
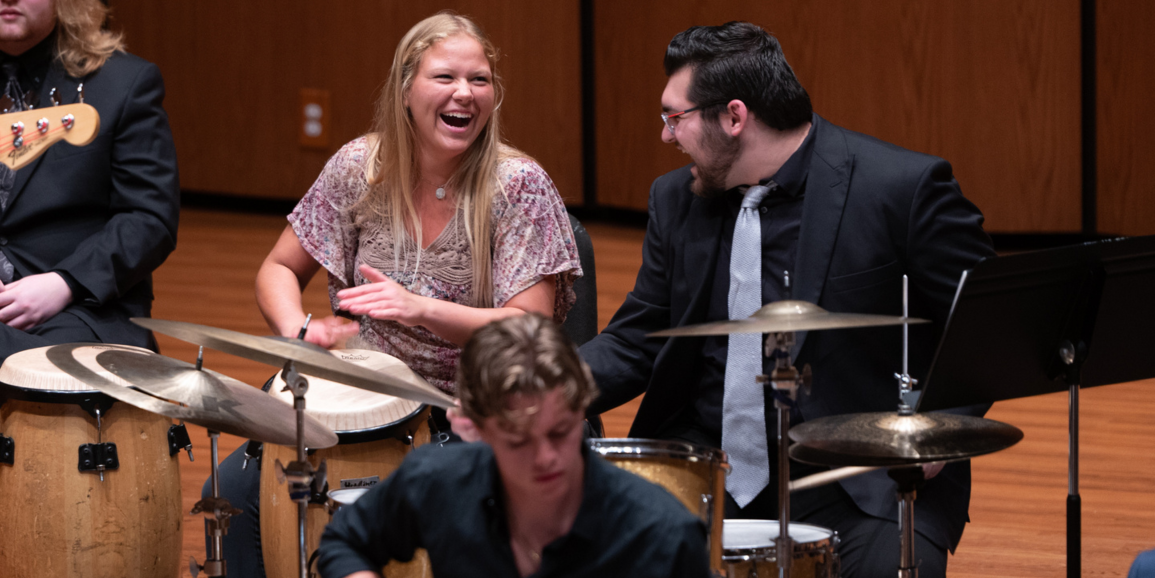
781	220
448	500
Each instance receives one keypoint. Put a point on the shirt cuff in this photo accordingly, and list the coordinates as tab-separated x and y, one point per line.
79	293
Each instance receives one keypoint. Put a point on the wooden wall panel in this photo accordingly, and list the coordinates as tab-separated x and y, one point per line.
234	71
991	86
1126	121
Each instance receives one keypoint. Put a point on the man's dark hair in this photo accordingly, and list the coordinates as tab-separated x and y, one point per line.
739	60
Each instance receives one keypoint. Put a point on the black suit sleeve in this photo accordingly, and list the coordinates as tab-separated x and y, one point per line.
944	237
144	199
622	357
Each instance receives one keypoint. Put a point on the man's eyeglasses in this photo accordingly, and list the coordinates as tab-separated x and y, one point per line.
671	118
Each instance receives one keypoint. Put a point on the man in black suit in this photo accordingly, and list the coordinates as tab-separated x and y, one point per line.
846	215
82	228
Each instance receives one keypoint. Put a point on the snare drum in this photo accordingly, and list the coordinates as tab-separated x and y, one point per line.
696	475
375	431
749	550
59	518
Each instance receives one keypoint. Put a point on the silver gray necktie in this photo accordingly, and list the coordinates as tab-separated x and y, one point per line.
743	406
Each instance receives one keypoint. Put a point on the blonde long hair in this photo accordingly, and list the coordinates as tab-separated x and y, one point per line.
82	44
391	169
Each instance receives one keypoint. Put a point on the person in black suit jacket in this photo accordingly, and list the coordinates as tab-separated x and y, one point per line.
82	228
847	217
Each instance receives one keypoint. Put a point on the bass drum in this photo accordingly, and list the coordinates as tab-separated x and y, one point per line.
59	518
375	431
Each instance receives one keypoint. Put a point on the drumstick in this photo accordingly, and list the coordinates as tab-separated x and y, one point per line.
822	478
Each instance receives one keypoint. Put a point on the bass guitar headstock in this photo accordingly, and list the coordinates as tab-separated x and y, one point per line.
27	134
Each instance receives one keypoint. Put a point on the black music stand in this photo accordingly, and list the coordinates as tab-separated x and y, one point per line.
1044	322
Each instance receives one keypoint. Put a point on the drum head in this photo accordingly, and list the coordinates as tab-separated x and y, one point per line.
347	496
30	369
752	534
344	408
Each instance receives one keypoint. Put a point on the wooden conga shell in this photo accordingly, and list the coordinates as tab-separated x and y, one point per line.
354	414
58	521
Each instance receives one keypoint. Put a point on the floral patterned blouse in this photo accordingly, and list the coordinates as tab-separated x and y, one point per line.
532	239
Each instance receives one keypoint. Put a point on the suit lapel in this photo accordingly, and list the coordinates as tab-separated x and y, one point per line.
701	257
53	79
827	184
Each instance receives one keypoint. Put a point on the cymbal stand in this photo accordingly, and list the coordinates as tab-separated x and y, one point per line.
907	397
304	480
782	387
909	479
217	510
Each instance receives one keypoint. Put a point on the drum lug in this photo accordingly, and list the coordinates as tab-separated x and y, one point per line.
96	405
253	452
178	440
7	450
98	457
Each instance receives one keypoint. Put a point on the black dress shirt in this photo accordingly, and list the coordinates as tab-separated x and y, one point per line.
448	500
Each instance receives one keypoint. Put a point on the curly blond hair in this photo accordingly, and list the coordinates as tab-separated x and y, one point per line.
521	355
82	43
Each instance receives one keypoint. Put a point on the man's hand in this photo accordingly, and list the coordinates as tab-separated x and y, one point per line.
932	469
30	301
464	427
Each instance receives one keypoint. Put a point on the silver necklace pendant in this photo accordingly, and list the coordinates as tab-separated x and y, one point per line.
440	193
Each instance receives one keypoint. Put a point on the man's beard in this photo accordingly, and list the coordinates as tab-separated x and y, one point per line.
712	172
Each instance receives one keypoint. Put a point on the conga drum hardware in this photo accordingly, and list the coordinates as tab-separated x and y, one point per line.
178	440
92	457
98	456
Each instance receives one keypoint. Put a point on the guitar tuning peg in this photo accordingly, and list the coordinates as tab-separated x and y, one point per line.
80	91
30	99
54	96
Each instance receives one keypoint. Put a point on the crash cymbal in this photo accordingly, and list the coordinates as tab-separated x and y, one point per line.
398	381
783	316
178	390
889	439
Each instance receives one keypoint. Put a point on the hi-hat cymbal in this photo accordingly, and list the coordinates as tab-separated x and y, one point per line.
398	381
889	439
783	316
178	390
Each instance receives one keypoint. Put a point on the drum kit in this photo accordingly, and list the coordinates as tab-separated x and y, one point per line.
59	396
128	523
901	441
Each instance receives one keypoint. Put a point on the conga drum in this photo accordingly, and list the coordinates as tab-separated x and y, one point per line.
58	518
375	431
696	475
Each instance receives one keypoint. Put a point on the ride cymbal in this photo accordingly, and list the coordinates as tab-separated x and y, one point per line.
889	439
784	316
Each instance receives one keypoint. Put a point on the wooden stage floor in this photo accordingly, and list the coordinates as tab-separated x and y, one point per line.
1018	498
